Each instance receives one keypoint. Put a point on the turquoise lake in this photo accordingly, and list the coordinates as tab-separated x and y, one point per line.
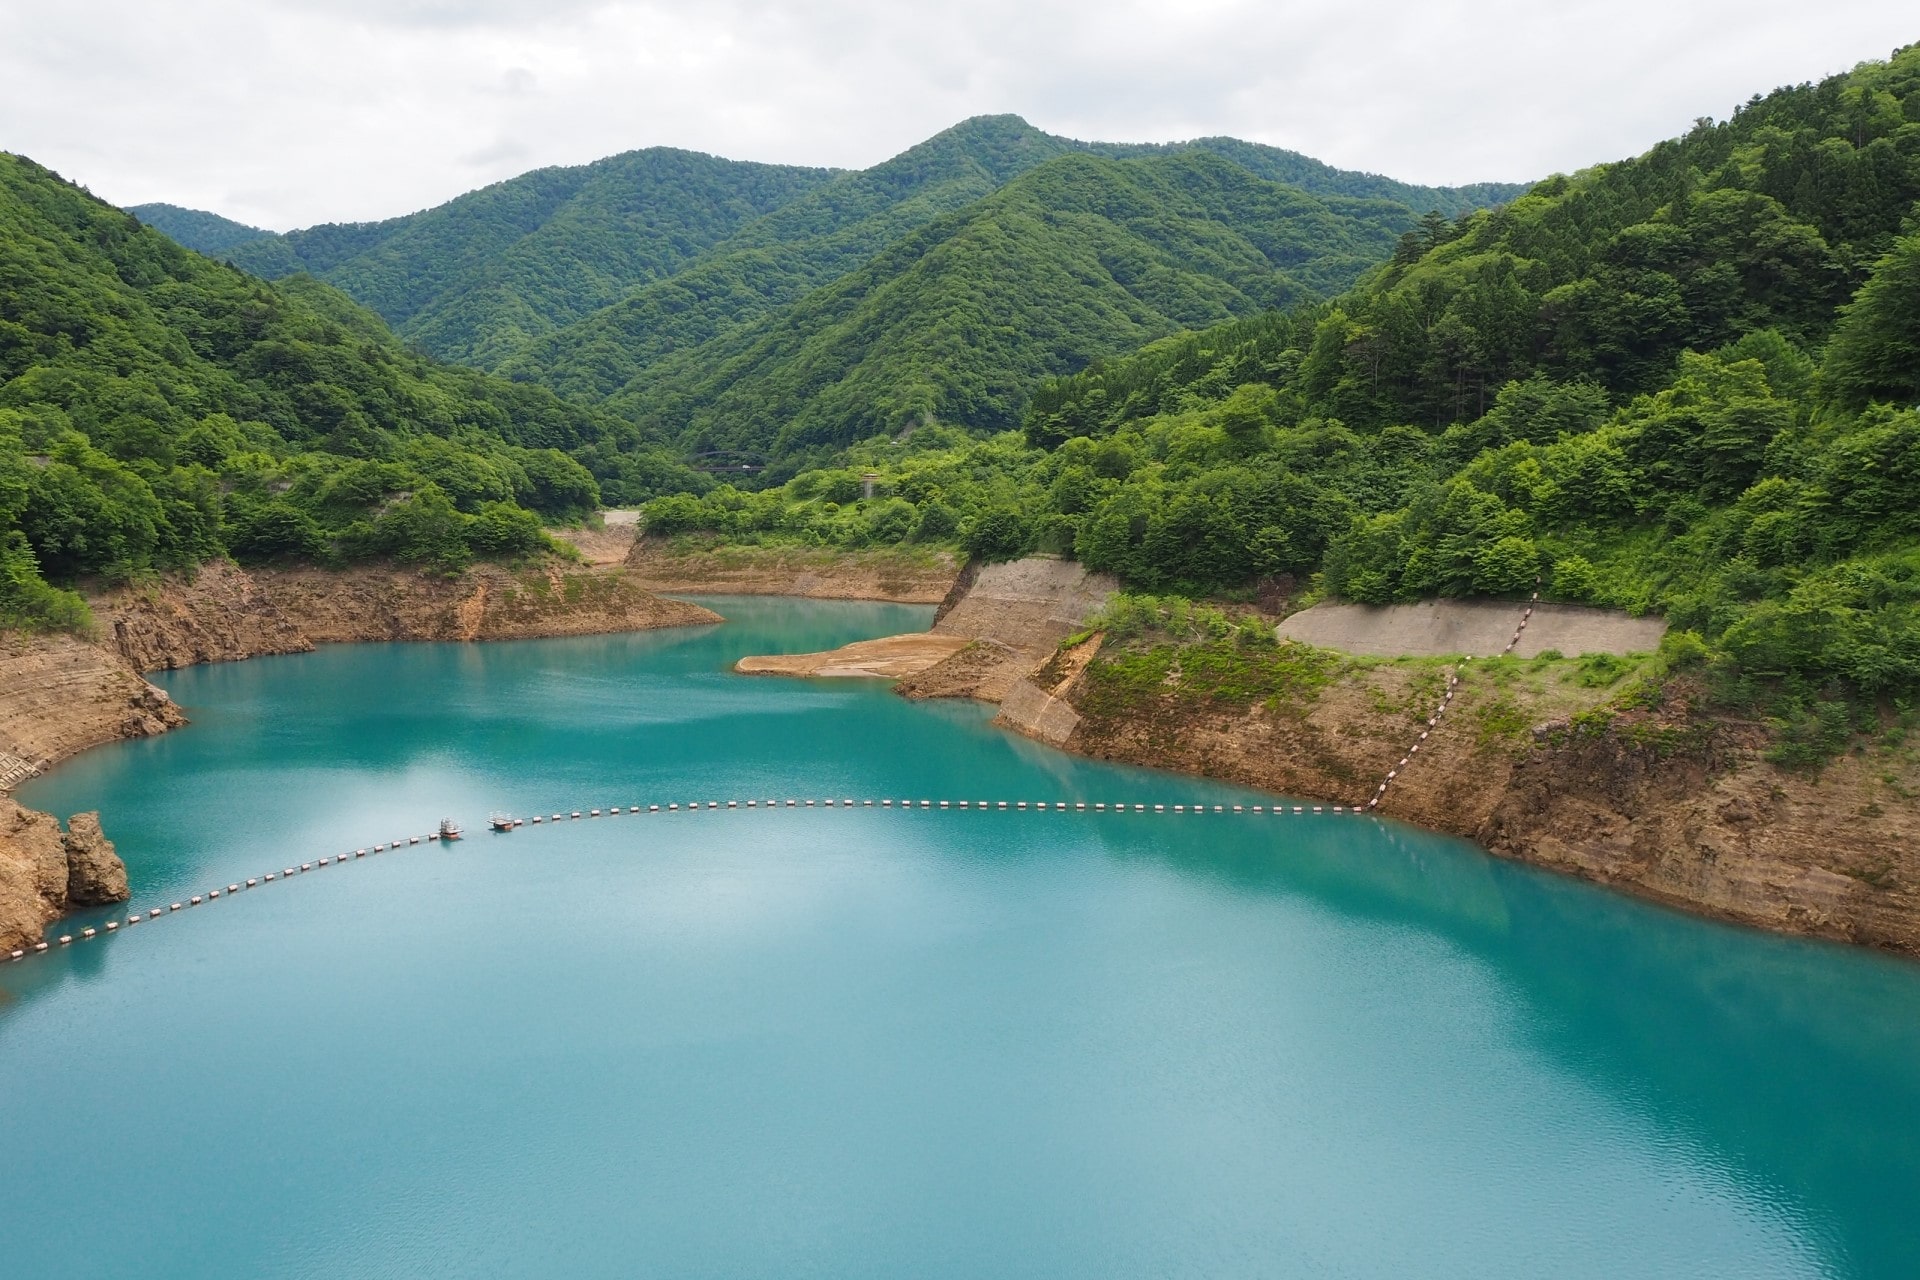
885	1044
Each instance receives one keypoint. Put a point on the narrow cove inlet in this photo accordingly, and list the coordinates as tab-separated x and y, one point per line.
884	1043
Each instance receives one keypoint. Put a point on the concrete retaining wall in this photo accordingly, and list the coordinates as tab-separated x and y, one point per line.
1438	628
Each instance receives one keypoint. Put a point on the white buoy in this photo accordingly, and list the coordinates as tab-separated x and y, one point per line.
1003	804
112	925
194	901
65	939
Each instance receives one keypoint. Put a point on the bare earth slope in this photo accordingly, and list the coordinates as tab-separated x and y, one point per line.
907	575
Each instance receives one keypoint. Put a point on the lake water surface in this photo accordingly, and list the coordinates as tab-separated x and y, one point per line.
880	1044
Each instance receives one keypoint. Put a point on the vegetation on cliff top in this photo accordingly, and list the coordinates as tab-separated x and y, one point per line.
158	409
1683	382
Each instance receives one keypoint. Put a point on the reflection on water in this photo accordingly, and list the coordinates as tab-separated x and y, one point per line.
874	1044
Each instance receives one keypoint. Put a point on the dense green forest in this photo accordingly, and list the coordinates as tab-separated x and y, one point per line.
474	279
1684	383
628	281
829	232
158	409
202	232
1080	257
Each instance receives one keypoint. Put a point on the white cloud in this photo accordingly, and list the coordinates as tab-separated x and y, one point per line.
290	112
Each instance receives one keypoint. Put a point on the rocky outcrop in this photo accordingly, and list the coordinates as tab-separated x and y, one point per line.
60	695
224	613
217	614
993	627
1680	806
1689	811
95	874
44	873
1015	614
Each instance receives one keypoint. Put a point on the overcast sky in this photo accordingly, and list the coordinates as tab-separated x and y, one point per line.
285	113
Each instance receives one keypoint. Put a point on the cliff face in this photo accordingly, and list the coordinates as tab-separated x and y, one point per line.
225	613
1674	804
44	874
1692	814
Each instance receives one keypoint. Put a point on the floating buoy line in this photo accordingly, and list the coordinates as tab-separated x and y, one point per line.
502	824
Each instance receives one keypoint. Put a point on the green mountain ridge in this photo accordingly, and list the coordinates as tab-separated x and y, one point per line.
473	279
207	233
772	262
1080	257
1685	383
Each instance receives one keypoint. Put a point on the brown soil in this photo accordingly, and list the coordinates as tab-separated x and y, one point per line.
906	576
610	544
888	658
1683	809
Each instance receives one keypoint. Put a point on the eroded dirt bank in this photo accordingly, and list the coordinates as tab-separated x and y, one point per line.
1671	804
1535	760
904	575
60	694
45	872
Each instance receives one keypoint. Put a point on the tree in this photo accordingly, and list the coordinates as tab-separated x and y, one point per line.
1875	351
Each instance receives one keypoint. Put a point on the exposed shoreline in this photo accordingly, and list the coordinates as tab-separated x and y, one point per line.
1677	807
61	695
1672	804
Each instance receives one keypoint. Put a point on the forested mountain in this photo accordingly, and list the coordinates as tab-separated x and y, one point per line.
473	279
1083	256
202	232
158	408
1685	382
825	234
